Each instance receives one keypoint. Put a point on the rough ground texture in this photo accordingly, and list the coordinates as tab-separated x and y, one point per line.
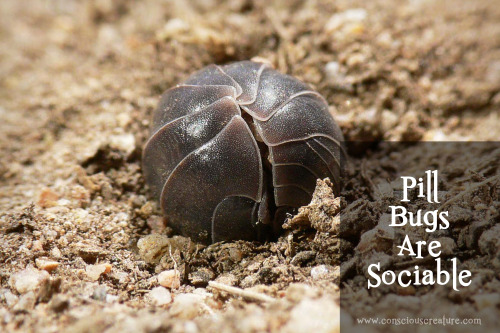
82	244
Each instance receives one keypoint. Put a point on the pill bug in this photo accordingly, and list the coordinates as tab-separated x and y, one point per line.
235	147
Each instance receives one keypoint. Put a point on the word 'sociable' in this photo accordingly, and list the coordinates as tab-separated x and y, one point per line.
432	220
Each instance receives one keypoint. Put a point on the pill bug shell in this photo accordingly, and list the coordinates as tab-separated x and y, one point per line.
235	147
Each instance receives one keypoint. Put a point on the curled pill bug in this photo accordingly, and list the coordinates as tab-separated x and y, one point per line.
235	148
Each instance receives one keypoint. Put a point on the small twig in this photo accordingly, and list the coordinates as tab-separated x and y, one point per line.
172	257
468	190
247	294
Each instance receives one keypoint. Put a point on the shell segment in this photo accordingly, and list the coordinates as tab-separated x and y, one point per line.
209	175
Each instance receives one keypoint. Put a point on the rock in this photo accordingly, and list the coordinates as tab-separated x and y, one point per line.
187	306
27	279
160	296
46	265
95	271
170	279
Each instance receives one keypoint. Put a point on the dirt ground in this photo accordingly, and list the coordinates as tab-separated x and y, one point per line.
82	243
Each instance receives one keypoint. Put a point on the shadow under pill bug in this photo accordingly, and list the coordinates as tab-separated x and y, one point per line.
236	147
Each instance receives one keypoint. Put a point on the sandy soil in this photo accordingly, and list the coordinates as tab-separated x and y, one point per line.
78	84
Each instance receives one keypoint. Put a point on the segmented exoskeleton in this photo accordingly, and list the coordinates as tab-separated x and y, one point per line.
235	146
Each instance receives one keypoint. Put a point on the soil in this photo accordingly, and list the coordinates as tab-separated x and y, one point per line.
79	81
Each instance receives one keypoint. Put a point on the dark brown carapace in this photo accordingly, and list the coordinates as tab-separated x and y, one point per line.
236	147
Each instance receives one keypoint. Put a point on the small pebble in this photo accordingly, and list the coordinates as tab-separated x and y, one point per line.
28	279
37	246
46	265
160	296
55	252
169	279
95	271
332	69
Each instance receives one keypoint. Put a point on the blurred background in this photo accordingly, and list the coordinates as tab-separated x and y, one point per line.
403	70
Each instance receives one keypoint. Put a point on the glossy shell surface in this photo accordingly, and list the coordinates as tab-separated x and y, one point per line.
234	147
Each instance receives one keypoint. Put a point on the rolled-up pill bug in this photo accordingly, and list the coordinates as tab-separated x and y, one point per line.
235	147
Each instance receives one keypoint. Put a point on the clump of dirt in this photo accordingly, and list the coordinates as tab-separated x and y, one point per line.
84	246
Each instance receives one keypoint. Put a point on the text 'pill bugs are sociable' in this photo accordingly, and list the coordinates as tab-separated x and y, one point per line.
236	147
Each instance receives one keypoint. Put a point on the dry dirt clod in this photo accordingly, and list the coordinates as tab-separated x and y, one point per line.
28	279
169	279
94	272
160	296
47	265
